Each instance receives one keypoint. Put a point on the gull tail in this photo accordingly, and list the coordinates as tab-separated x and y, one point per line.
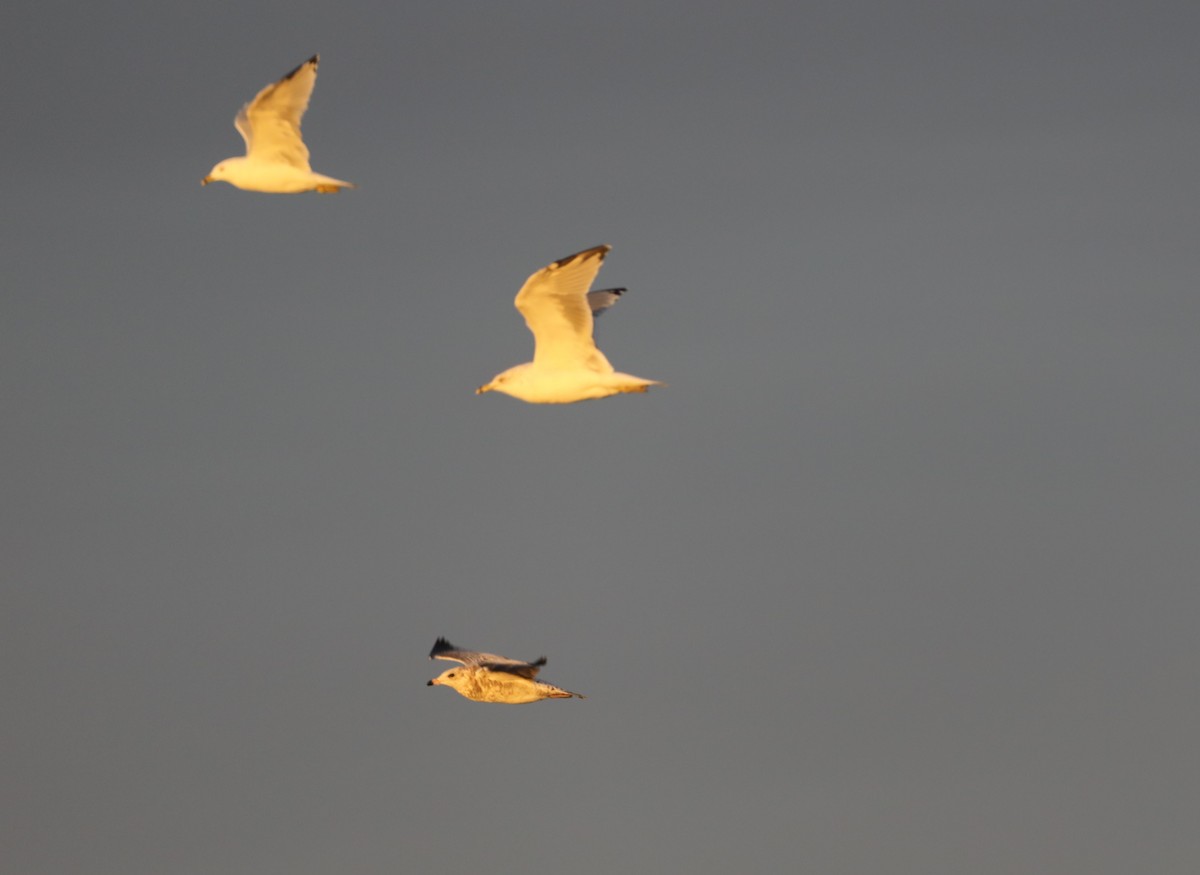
640	386
329	185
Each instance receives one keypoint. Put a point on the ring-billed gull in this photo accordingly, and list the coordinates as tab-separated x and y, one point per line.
276	158
486	677
566	364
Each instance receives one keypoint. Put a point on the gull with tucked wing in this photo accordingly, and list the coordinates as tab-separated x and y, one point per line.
486	677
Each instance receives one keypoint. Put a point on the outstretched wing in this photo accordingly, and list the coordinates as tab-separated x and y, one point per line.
555	305
443	649
270	123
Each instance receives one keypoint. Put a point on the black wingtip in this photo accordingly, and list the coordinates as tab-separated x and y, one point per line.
603	250
440	646
314	60
541	660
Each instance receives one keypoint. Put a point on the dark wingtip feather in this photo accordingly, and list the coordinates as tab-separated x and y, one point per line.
603	250
440	646
314	60
541	660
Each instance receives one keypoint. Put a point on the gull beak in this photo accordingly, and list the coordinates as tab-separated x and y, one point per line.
429	683
206	180
483	389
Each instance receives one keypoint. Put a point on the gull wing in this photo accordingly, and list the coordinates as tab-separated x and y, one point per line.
443	649
521	669
601	299
270	123
555	305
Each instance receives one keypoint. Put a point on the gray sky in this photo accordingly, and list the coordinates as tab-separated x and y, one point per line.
897	575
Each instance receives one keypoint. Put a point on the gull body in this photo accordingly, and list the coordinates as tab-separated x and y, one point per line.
276	159
567	366
486	677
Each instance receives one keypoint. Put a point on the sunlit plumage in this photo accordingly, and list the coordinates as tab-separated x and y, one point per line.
567	366
276	159
486	677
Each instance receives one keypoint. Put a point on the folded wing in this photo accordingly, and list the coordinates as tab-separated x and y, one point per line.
443	649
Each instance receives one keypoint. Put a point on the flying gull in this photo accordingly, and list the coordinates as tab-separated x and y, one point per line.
566	364
486	677
276	158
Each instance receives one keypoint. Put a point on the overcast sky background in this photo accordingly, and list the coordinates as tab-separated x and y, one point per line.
897	575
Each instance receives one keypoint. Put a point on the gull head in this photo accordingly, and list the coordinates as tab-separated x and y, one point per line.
455	678
217	174
494	385
225	171
507	382
503	382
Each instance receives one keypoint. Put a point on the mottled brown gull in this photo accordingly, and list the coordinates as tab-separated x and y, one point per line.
486	677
